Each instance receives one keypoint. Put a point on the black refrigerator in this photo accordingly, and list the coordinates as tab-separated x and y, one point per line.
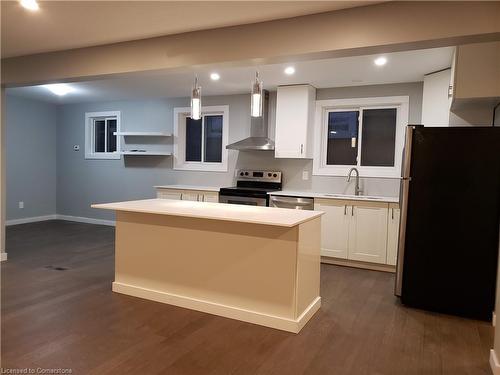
449	229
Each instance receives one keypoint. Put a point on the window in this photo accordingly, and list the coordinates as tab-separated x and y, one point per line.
201	144
366	133
101	142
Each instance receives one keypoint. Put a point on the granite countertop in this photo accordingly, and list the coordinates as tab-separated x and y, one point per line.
316	194
188	187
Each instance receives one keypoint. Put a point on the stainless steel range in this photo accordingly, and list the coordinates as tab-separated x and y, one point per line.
252	188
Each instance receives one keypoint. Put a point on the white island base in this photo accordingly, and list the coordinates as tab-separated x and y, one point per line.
183	253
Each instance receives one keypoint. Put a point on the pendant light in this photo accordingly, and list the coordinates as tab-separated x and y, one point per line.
196	101
256	101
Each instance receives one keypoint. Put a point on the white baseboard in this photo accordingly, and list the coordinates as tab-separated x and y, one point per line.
495	366
3	256
87	220
233	312
79	219
34	219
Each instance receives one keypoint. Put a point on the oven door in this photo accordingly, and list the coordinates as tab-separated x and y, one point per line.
249	201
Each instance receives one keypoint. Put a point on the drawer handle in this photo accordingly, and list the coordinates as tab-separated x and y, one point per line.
295	203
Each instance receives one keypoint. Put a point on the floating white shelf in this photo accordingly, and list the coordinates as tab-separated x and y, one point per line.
146	153
143	134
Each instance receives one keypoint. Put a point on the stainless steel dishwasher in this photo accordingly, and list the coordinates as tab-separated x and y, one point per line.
297	203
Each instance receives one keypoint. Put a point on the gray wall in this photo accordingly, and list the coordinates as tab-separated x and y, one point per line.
81	182
30	157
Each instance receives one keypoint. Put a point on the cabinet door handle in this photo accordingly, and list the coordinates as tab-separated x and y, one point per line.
301	148
392	212
182	196
352	210
345	209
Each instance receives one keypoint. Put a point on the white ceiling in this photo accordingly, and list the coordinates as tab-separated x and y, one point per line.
60	25
407	66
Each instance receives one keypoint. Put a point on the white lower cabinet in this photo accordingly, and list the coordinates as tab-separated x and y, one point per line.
334	227
392	234
187	195
165	194
191	196
211	197
368	232
359	230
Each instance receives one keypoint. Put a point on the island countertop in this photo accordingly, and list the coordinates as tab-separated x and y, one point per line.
281	217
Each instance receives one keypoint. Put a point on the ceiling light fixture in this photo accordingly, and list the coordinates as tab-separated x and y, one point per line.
30	4
289	70
196	100
256	101
379	61
59	89
214	76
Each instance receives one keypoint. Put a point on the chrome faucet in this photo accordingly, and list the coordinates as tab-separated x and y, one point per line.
357	190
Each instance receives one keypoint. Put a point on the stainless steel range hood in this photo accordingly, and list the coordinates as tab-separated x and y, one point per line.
259	127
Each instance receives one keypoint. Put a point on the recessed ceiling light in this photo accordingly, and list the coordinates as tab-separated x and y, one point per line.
59	89
214	76
30	4
380	61
290	70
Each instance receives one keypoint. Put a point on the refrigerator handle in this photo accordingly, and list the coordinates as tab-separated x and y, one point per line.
403	205
405	173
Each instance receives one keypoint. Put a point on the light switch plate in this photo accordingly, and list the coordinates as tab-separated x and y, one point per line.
21	204
305	175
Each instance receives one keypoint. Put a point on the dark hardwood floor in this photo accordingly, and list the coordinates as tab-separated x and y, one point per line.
70	319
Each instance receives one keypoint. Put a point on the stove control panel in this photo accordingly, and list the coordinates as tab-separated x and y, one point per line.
251	175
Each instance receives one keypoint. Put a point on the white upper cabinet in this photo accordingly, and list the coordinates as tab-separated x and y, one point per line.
295	107
476	72
435	99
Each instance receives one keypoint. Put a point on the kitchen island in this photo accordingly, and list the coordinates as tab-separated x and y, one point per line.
256	264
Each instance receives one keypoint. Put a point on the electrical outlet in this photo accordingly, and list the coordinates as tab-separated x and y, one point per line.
305	175
76	148
21	204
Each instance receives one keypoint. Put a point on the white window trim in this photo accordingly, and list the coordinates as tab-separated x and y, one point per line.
89	152
180	162
320	141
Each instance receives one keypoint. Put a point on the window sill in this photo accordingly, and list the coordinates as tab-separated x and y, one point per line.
109	156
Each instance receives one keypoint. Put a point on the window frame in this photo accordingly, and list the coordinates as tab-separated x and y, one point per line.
179	135
323	107
90	153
